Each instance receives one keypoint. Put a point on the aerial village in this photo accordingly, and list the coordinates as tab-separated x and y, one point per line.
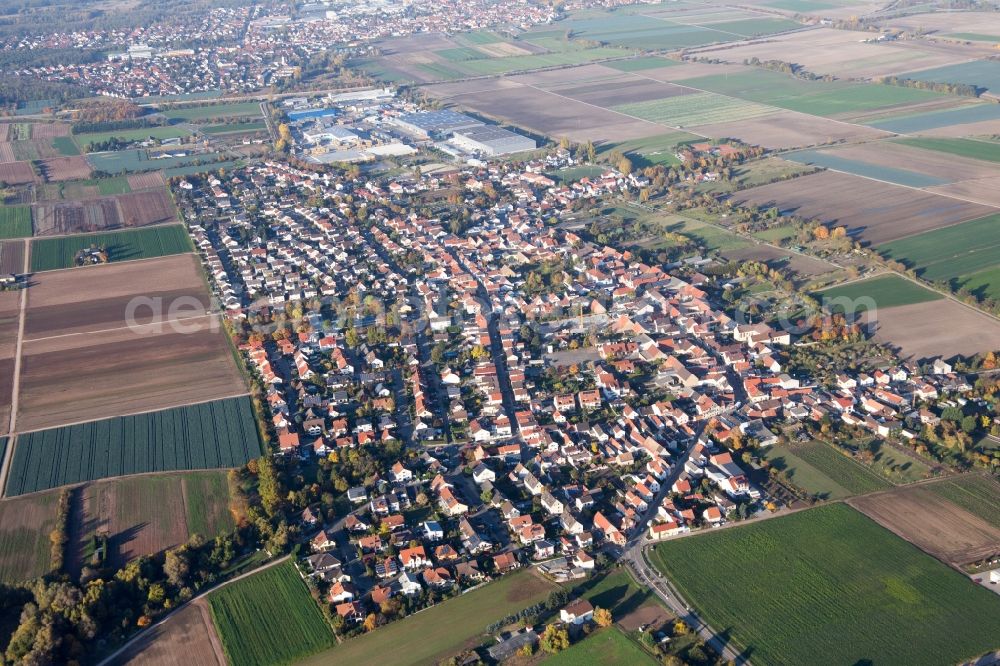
549	399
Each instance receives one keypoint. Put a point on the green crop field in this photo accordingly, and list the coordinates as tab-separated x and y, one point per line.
491	66
15	222
114	185
213	435
820	470
821	98
140	134
442	630
830	160
886	291
979	495
479	38
642	63
54	253
201	113
920	122
973	36
460	53
608	647
987	151
206	497
65	145
830	585
25	524
980	73
950	253
695	109
269	618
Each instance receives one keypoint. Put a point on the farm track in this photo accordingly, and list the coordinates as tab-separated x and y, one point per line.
15	385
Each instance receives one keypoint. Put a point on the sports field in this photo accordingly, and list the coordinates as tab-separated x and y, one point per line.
269	618
886	291
829	585
820	470
441	631
201	113
15	221
695	109
53	253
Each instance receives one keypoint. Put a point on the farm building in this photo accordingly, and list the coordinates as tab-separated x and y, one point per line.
488	140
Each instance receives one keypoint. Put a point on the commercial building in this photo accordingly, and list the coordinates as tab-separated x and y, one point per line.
491	140
435	123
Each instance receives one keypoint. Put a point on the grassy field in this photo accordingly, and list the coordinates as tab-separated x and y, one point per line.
213	435
608	646
886	291
898	466
492	66
829	160
830	584
269	618
754	173
65	145
234	128
641	64
15	222
973	36
114	185
951	253
818	469
54	253
443	630
695	109
618	592
224	110
573	174
979	495
987	151
479	38
651	150
25	524
128	161
140	134
710	237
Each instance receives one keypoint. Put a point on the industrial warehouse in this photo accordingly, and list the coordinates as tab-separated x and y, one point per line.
463	133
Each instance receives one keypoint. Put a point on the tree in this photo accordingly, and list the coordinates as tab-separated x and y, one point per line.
602	616
268	485
176	567
370	622
557	599
555	639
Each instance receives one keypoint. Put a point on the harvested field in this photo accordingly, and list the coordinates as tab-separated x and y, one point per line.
874	211
97	299
982	190
7	152
142	208
10	307
12	256
842	53
787	129
25	524
191	627
607	94
49	130
73	217
938	328
97	375
932	523
145	181
65	168
974	22
34	149
543	112
16	173
146	515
